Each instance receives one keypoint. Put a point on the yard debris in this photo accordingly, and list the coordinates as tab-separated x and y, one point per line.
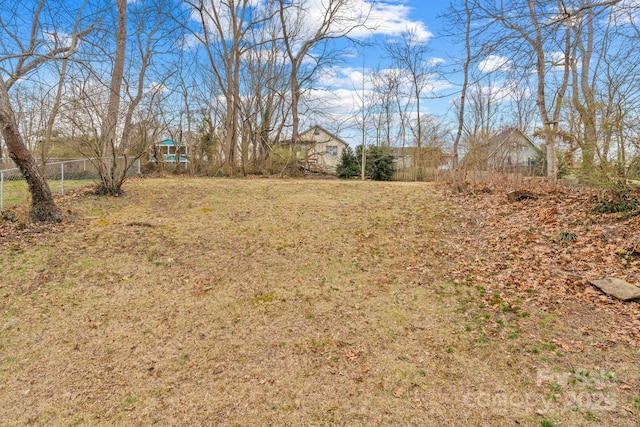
518	195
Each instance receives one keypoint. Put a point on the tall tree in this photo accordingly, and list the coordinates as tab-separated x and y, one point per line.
465	20
108	164
112	98
411	55
307	25
386	86
264	87
223	26
601	47
526	37
583	78
23	50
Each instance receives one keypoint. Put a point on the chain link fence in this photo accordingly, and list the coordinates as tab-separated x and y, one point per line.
57	174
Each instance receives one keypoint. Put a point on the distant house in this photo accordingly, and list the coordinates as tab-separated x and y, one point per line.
431	157
506	151
169	151
322	149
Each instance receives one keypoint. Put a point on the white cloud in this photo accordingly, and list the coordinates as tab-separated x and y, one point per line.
190	41
627	12
508	90
433	62
340	91
222	16
494	63
352	78
345	77
393	19
57	39
359	18
337	102
157	88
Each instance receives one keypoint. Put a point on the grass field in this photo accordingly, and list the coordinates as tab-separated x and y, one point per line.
283	302
16	192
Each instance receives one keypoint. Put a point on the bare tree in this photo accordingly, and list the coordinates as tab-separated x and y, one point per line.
583	83
31	107
222	33
23	52
112	99
527	36
386	87
461	16
303	32
59	91
618	106
264	82
603	68
522	106
483	110
107	165
411	55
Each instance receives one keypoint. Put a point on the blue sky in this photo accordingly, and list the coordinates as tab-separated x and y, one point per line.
338	90
341	85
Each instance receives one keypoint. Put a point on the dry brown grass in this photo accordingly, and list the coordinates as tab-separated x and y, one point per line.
278	302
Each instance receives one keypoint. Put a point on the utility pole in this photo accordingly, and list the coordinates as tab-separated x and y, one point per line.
364	149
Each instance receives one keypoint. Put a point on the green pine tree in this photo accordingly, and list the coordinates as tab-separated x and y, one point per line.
348	165
381	161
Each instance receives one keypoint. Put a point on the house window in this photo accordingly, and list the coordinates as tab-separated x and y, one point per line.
332	151
316	132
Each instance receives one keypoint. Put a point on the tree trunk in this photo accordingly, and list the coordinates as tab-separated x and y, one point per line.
295	98
43	208
552	161
108	163
550	126
230	136
463	97
588	109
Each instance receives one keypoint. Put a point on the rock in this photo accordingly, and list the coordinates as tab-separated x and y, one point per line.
618	288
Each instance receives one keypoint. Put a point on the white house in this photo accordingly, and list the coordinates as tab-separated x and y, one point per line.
322	149
506	151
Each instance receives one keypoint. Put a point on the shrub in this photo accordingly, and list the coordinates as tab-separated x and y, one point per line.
381	161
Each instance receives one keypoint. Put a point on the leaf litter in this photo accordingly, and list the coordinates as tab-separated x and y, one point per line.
546	249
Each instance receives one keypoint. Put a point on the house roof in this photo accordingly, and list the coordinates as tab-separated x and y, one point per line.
332	135
167	142
506	134
508	147
400	151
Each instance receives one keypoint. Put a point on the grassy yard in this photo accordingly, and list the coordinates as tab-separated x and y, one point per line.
283	302
16	192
